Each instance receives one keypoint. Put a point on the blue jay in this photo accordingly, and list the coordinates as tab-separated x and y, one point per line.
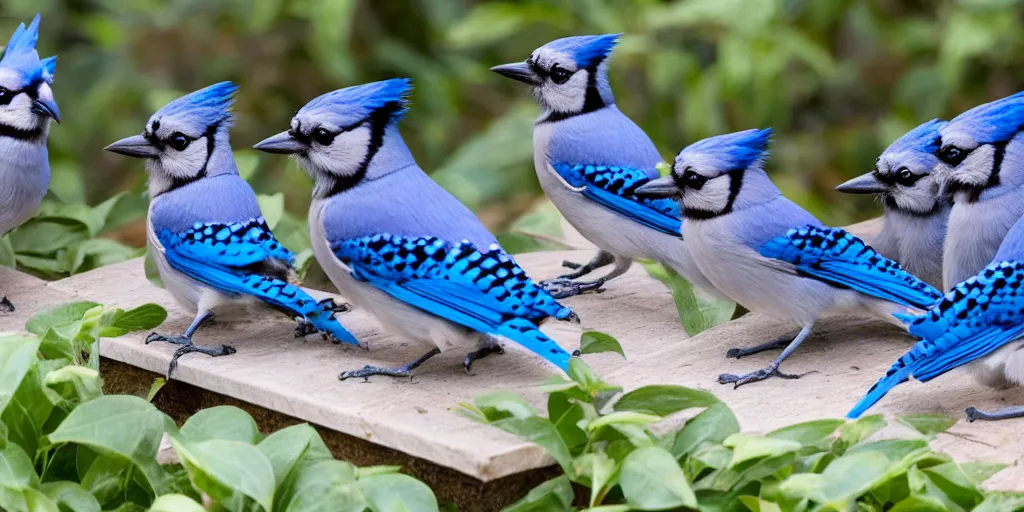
590	158
916	207
979	323
214	251
982	162
770	255
26	108
397	244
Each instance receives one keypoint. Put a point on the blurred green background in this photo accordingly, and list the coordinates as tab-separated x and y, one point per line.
837	79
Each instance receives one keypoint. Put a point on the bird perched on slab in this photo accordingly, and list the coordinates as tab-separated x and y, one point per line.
214	251
770	255
590	158
396	243
982	155
26	109
916	206
979	323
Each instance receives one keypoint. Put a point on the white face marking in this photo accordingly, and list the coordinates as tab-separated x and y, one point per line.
920	197
713	196
174	164
343	156
18	113
567	97
976	169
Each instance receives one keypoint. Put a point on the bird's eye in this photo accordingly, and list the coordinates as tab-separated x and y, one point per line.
5	96
905	177
952	155
179	141
323	137
694	180
559	75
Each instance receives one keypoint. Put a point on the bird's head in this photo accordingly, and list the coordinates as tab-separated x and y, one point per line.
974	144
709	174
180	138
569	76
904	176
26	94
336	135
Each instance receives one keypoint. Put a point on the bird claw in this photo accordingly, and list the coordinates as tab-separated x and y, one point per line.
483	352
188	348
561	288
369	371
6	305
305	328
777	344
973	414
328	304
177	340
755	376
571	265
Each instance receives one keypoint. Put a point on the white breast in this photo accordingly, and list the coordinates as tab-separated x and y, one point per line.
974	233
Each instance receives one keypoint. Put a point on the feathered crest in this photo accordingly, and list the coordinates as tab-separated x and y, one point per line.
360	101
20	54
996	121
587	51
924	139
737	150
207	106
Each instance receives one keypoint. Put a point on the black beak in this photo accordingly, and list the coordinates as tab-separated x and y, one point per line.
46	108
658	188
518	71
281	144
136	146
863	184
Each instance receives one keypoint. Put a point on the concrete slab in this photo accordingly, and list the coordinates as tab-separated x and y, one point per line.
29	294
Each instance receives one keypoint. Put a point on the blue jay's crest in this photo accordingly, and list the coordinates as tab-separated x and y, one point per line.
359	101
587	51
996	121
925	138
20	54
735	150
206	107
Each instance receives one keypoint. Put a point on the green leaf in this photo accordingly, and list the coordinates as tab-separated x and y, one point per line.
542	433
746	447
231	472
589	380
285	447
697	310
395	492
1001	501
324	486
919	503
854	432
176	503
566	416
594	342
502	404
664	399
928	424
17	357
6	252
555	495
272	207
755	504
713	425
58	316
652	480
70	497
127	426
16	470
811	433
76	383
142	318
155	387
223	422
622	418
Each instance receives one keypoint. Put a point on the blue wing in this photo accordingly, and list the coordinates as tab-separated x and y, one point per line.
483	290
613	187
976	318
839	258
244	258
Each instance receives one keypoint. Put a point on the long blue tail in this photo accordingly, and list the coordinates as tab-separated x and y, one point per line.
898	373
290	297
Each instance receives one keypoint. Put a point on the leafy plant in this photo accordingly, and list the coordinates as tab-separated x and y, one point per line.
698	310
64	446
614	460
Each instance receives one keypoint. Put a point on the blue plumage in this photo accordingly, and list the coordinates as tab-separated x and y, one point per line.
483	290
837	257
586	51
976	318
737	150
359	101
996	121
613	188
206	107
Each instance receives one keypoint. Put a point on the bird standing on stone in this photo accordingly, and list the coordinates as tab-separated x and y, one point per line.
916	206
590	158
771	256
982	164
979	324
213	249
396	243
26	108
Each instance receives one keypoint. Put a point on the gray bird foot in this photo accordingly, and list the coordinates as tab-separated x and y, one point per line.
402	371
1005	413
304	328
188	348
328	304
756	376
480	354
602	259
571	265
776	344
6	305
560	288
